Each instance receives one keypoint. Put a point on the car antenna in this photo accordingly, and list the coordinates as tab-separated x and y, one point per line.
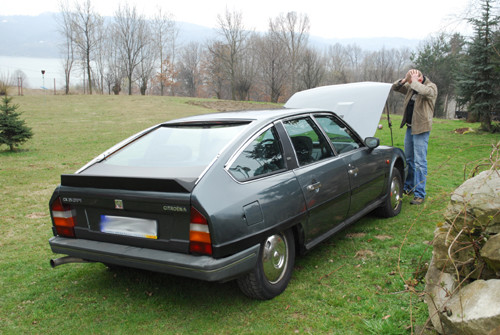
386	107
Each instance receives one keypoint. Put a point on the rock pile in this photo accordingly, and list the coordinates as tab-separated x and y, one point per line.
463	280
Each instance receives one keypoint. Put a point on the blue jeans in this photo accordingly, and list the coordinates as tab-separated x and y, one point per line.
416	157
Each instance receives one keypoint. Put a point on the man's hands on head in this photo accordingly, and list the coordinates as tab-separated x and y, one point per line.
412	75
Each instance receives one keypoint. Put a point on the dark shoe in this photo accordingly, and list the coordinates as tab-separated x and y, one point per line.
417	201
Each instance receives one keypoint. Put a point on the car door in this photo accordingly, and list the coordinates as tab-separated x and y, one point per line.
322	176
365	167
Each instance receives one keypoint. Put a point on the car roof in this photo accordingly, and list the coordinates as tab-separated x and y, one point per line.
263	115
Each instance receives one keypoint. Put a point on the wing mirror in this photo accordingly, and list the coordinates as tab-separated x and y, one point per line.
372	142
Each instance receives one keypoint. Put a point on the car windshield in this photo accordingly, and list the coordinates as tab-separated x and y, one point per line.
176	146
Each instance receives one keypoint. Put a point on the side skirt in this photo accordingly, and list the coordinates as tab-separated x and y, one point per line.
344	224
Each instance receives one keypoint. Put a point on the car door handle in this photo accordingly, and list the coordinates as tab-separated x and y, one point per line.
353	172
314	187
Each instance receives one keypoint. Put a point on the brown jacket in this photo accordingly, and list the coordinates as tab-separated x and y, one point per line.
424	103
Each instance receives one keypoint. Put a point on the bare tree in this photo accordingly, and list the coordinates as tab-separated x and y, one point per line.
190	68
132	36
337	64
234	36
100	59
311	70
343	63
214	67
273	65
380	65
247	69
114	74
355	55
86	24
164	35
66	29
402	62
293	31
146	67
20	78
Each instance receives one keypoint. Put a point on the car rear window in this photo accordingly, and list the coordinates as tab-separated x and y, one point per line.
176	146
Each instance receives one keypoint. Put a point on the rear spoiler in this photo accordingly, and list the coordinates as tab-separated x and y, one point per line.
123	183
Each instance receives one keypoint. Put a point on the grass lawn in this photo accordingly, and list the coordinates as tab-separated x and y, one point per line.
354	283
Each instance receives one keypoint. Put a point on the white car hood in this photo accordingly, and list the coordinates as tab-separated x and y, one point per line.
359	104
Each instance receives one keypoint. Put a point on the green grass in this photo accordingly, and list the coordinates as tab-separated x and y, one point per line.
351	284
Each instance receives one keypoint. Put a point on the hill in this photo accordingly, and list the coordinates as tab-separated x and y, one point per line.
38	36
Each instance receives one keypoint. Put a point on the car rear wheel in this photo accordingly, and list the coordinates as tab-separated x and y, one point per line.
392	205
273	270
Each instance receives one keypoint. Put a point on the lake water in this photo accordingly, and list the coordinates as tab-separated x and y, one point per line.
33	67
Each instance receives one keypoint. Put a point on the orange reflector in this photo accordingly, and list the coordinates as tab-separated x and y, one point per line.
199	234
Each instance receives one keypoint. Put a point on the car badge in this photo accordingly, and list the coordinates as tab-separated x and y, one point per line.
118	204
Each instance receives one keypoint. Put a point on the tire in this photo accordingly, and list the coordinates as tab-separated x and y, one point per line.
393	203
273	270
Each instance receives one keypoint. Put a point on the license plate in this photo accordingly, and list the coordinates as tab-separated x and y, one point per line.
135	227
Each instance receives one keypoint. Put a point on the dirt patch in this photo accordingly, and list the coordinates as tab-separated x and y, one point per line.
463	130
230	105
355	235
383	237
364	254
37	215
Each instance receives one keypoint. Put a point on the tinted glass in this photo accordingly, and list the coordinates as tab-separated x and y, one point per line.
184	146
261	157
309	144
341	137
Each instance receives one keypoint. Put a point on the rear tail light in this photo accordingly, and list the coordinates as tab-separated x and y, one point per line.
64	218
199	234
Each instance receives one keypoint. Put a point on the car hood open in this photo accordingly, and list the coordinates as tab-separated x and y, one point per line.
359	104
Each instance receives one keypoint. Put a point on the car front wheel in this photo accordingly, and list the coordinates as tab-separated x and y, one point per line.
392	205
273	270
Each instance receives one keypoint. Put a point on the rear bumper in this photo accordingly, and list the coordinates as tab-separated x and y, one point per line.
197	267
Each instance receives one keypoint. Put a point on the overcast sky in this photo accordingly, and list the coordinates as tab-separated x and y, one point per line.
329	18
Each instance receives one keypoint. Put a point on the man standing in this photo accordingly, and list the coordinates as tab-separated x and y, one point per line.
420	98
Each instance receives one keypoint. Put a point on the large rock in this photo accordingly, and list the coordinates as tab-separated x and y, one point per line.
491	253
477	202
473	310
438	287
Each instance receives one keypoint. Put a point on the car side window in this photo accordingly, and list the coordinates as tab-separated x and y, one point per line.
310	146
262	156
341	137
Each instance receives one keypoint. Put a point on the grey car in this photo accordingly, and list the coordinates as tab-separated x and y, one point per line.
233	195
